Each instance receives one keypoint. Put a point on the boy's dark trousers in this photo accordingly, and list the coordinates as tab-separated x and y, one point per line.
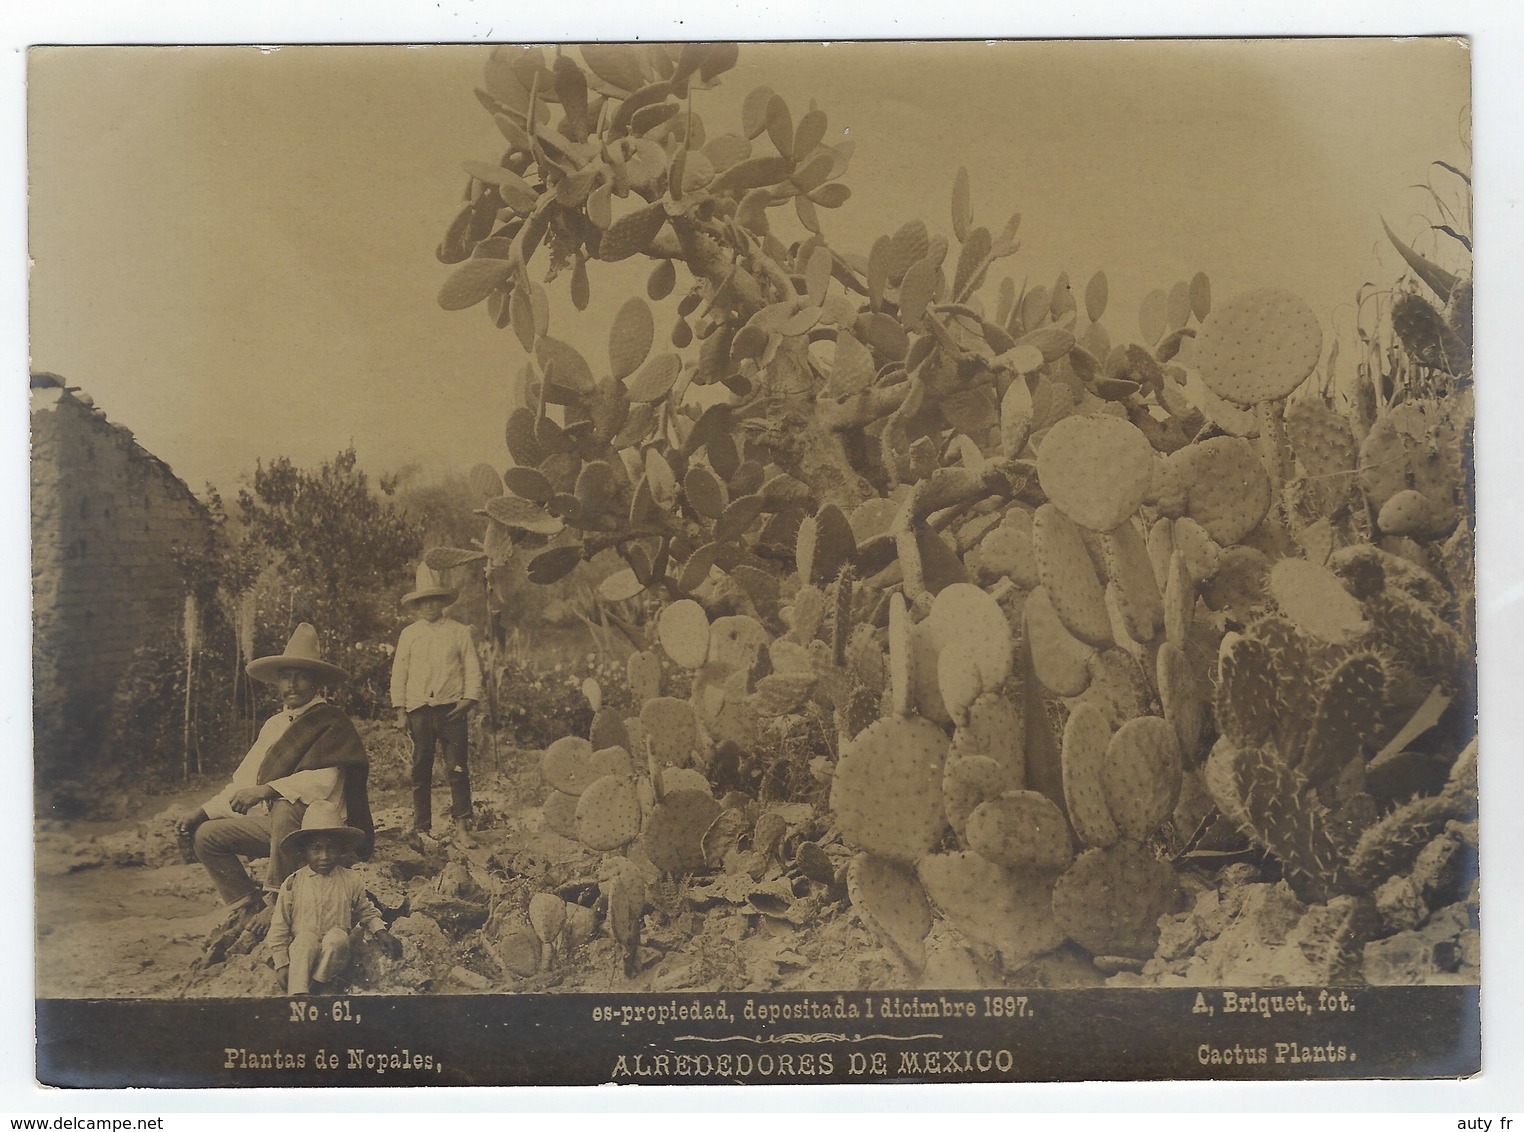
427	726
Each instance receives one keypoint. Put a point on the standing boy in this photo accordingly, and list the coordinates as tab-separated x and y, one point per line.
436	681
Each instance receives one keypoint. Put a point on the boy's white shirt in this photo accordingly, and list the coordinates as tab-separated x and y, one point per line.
325	784
436	664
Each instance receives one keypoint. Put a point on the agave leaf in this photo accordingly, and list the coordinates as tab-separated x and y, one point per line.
1439	280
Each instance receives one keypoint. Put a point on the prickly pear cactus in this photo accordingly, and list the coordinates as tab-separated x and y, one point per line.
886	791
890	901
1109	902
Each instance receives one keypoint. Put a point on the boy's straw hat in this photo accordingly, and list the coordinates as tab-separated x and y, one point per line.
429	584
322	817
302	651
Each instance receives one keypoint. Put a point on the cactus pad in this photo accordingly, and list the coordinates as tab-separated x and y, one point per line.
677	778
608	813
1161	545
993	905
782	693
1110	900
1247	691
1391	845
1022	829
1368	570
1141	775
1288	820
1138	597
1086	737
1182	700
1095	469
626	893
1320	438
890	901
1228	491
1069	577
1258	346
1294	661
547	915
736	642
560	811
1412	513
1348	705
671	729
1005	552
673	837
567	764
968	780
1420	640
1016	413
925	685
1179	601
887	789
1117	687
684	632
1198	549
901	657
1241	585
993	729
965	616
1316	601
1061	661
1221	777
808	612
608	730
644	672
610	760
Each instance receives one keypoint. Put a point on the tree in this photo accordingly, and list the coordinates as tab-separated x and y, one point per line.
343	555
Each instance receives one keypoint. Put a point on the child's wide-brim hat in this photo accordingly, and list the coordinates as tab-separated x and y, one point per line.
428	583
302	651
323	818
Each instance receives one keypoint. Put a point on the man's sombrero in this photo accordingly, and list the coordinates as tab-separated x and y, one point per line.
302	651
429	584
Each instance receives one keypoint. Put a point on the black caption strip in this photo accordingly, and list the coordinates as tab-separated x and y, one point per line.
1069	1035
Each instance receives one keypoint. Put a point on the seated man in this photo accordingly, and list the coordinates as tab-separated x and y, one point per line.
308	752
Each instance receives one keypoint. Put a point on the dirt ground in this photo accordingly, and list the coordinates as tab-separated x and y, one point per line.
120	914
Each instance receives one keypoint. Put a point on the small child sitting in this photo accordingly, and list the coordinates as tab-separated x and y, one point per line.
321	906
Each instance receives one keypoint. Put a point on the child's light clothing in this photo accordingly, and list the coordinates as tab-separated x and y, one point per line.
436	667
312	924
436	664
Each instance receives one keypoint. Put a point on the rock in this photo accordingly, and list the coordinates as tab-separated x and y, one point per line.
1273	939
454	915
425	948
1400	904
1431	954
1437	869
1469	947
469	979
1331	935
408	863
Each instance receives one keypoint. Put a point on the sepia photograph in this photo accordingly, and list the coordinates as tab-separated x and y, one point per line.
708	563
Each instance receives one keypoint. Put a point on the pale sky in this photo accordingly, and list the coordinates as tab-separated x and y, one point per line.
233	248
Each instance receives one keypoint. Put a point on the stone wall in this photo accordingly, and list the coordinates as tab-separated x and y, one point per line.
108	522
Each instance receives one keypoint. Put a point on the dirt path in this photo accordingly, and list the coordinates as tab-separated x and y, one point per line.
118	915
